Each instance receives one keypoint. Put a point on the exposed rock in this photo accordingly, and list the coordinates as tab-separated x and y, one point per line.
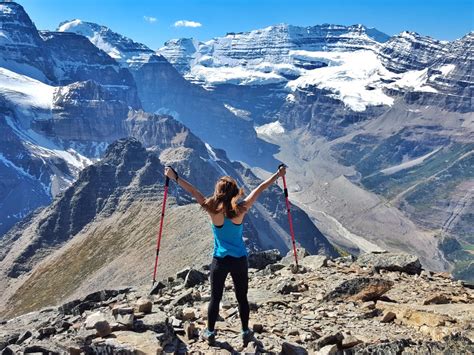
286	287
437	299
142	343
391	262
259	260
292	349
361	288
328	350
350	341
388	317
189	314
98	322
194	277
144	306
289	258
314	261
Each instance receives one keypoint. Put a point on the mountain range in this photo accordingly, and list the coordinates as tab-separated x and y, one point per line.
377	132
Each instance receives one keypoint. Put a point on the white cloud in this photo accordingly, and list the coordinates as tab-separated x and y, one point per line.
149	19
186	23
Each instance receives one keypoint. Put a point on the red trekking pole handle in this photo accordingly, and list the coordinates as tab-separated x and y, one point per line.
167	182
290	220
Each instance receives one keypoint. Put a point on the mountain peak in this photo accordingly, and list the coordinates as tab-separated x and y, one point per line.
126	51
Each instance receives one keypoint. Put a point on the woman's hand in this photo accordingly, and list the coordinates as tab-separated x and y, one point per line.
170	173
282	170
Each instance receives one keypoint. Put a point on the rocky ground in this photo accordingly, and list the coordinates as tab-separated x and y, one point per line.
379	304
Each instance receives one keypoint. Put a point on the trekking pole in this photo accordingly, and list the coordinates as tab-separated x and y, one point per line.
167	182
290	221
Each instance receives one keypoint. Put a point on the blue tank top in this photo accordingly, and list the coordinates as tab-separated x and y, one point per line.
228	239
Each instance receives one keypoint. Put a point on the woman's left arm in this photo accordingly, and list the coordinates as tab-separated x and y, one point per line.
185	185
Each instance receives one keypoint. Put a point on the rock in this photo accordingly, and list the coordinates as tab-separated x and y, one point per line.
122	309
314	262
327	350
142	343
289	258
437	299
157	288
410	315
98	322
391	262
182	298
25	335
292	349
285	287
46	332
257	328
189	314
388	317
293	331
40	349
260	260
125	319
157	322
330	339
360	289
194	277
273	268
182	274
189	330
143	305
350	341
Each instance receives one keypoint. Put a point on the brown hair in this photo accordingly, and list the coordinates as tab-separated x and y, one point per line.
225	198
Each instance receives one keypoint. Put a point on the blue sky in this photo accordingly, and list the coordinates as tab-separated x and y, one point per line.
152	21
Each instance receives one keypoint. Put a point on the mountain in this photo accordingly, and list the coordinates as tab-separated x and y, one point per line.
331	306
162	89
367	124
377	131
117	200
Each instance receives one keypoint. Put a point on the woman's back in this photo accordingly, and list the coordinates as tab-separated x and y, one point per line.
228	240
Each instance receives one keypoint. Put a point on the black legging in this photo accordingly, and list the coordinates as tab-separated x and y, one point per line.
238	269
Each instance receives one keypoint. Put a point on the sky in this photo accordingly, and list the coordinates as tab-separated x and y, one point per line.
152	22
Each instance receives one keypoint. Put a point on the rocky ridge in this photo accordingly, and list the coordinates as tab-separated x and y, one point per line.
327	306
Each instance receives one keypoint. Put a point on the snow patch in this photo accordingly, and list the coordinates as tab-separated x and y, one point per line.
408	164
233	75
415	80
213	160
270	129
446	69
353	77
237	111
25	91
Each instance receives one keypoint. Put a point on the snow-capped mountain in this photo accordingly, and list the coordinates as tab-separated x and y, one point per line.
377	130
162	89
51	130
410	51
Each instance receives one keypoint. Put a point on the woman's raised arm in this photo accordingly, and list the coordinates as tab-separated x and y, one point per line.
252	197
171	173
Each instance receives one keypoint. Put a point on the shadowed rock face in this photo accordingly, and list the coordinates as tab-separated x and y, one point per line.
22	48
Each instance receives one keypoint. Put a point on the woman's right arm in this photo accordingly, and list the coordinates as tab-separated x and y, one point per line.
185	185
252	197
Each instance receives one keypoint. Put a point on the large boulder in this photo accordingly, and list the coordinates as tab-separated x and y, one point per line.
259	260
391	262
360	289
289	258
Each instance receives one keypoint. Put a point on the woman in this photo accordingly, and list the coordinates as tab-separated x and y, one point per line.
230	255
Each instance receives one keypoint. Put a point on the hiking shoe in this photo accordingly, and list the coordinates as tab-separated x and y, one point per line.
247	336
208	336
